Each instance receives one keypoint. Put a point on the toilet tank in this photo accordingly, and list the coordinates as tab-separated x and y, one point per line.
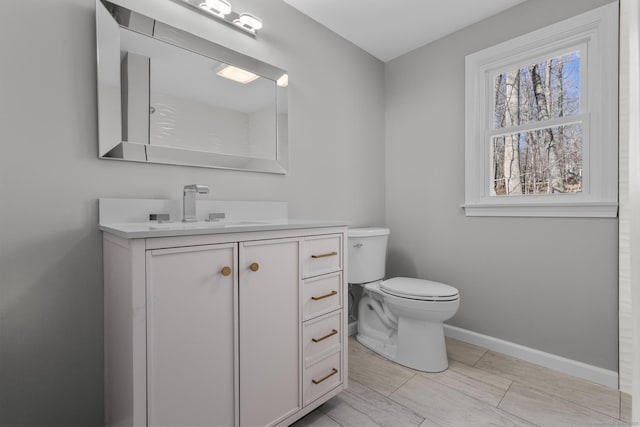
367	254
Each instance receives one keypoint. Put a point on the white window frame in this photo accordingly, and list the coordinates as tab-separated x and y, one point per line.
595	34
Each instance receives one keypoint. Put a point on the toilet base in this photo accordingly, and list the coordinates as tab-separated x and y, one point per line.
404	331
419	345
377	346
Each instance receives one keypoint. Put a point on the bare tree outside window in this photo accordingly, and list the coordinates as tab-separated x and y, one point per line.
547	159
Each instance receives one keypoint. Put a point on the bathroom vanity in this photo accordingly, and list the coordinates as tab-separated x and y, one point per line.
233	323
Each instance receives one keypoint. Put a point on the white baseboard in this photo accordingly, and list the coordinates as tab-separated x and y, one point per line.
568	366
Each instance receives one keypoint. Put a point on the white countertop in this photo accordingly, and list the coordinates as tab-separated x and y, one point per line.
129	218
142	230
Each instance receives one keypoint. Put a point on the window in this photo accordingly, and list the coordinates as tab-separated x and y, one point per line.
541	121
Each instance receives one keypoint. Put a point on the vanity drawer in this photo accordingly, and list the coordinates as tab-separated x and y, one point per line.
321	254
321	377
321	295
321	336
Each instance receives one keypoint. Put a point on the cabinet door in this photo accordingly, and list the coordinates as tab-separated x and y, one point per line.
191	341
269	331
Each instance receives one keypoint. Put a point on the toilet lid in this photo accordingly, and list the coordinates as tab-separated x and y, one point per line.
427	290
368	232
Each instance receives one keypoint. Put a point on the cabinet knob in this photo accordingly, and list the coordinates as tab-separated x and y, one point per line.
254	266
226	270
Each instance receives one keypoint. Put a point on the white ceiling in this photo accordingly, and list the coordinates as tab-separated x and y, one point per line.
386	33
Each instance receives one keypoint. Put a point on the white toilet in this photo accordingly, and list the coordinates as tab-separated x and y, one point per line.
399	318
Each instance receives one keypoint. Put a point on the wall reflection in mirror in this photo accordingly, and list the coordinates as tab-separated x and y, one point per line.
166	96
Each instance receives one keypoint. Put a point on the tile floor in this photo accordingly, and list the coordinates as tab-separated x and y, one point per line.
480	388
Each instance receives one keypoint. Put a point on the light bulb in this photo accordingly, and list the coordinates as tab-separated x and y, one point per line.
218	7
249	21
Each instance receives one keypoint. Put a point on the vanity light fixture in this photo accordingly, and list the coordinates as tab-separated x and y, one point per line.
236	74
219	8
222	10
249	22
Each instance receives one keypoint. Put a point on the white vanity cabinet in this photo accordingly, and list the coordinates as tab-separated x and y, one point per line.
322	302
269	331
229	329
191	312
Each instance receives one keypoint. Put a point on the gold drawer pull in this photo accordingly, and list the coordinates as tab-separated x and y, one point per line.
330	294
254	266
333	372
330	334
226	271
334	253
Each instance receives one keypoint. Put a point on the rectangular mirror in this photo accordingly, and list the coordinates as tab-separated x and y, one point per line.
167	96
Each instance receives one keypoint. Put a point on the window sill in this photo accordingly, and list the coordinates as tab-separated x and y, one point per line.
549	210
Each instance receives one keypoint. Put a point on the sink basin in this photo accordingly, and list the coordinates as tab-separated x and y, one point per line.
203	224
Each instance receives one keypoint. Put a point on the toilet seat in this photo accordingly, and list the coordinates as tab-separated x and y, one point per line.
418	289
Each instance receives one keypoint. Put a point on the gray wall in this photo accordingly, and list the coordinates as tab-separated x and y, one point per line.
51	367
550	284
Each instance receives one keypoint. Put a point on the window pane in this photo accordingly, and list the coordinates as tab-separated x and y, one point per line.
543	161
536	92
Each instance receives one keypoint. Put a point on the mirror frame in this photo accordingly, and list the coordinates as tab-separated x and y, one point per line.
110	18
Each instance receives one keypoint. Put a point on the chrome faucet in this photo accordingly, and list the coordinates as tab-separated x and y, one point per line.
189	201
